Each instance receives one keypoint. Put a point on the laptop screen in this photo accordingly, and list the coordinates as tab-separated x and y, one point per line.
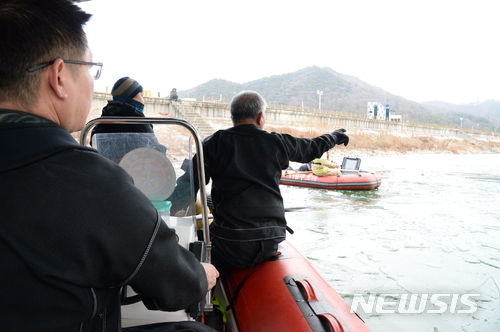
351	164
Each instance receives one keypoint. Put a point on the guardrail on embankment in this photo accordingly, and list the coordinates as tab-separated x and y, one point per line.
297	117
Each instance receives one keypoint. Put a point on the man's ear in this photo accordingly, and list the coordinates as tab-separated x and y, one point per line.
260	120
57	78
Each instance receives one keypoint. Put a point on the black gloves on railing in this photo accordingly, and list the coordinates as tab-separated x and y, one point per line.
340	137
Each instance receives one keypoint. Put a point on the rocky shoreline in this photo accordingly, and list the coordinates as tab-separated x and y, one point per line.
358	153
380	143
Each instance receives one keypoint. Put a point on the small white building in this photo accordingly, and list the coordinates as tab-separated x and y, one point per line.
375	110
396	117
381	111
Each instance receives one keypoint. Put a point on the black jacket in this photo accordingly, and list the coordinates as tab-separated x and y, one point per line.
119	108
116	146
245	164
73	229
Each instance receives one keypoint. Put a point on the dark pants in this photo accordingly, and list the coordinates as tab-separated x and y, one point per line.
242	255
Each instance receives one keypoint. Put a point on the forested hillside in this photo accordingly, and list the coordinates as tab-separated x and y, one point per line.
348	94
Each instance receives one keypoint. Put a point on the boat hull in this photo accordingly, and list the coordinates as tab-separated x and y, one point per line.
286	294
351	181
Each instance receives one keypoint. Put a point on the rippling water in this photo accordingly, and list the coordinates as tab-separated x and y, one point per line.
433	227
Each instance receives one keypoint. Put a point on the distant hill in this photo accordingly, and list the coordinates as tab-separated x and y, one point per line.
485	114
347	94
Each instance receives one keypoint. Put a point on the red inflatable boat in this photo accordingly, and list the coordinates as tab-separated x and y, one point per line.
361	180
285	294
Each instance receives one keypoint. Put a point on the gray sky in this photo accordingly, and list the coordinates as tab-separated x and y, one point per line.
420	50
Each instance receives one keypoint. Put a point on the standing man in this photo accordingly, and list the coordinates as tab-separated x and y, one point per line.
245	164
73	227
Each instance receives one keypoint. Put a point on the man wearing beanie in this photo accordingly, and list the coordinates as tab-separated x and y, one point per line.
126	87
127	101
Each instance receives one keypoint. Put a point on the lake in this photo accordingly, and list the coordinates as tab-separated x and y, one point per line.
430	234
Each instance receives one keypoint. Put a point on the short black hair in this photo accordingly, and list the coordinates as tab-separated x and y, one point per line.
33	32
247	105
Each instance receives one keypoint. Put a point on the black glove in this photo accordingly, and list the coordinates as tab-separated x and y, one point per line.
340	137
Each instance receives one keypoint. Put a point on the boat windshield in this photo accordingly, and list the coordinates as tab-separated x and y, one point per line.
155	161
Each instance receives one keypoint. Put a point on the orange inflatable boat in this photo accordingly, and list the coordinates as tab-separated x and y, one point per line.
350	177
285	294
360	180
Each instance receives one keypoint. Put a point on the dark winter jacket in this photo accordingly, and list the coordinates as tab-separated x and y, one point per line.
126	142
123	109
73	229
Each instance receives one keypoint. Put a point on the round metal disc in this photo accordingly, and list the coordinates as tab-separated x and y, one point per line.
152	172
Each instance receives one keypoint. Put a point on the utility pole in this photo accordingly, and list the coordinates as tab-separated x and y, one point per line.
320	93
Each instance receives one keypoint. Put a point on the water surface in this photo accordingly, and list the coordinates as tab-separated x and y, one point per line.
433	227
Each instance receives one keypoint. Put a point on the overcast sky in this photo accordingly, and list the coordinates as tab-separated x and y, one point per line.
420	50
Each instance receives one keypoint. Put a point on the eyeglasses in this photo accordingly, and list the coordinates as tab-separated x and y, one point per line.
95	67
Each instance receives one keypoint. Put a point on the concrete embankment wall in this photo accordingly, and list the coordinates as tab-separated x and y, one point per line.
298	118
153	106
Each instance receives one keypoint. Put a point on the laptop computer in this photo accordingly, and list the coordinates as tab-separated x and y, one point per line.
350	165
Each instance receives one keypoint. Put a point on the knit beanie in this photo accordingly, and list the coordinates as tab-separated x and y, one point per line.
126	87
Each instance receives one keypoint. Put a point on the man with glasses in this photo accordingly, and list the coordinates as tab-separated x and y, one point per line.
73	227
